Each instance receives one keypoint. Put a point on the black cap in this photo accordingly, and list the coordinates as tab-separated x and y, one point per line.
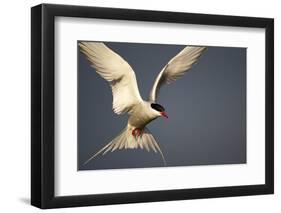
157	107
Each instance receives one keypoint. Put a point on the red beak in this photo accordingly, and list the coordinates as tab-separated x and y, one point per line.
164	114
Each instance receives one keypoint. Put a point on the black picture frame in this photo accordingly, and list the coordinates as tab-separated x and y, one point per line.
43	111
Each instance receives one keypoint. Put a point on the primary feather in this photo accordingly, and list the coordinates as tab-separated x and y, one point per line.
175	68
113	68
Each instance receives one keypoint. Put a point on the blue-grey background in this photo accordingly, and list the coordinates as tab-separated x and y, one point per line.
206	108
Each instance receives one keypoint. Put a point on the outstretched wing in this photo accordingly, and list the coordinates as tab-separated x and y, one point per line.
176	68
113	68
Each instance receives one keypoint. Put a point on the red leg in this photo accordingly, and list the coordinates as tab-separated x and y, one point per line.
137	132
134	132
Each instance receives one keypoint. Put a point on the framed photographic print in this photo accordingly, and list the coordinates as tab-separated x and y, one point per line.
140	106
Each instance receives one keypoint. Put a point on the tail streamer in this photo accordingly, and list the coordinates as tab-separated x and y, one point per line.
125	140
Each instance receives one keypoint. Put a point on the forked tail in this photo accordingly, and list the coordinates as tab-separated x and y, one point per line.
125	140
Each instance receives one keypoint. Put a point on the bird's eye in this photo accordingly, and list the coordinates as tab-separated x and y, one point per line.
157	107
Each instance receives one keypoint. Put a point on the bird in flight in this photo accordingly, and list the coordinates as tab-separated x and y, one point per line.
126	97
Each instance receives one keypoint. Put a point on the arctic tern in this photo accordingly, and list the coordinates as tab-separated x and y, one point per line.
126	97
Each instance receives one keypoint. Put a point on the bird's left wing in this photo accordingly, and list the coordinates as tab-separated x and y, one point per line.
176	68
114	69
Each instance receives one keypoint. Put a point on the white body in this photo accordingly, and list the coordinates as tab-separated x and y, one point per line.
141	114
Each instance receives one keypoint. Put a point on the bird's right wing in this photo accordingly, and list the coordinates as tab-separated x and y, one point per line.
176	68
113	68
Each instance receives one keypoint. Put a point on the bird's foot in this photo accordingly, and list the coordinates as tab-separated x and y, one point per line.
137	132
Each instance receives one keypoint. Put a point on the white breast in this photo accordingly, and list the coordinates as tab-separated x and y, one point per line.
141	115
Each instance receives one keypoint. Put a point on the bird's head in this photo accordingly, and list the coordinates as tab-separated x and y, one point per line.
159	110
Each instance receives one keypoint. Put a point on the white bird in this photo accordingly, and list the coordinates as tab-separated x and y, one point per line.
126	97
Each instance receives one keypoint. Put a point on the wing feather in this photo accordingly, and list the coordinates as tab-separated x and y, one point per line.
176	68
114	69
